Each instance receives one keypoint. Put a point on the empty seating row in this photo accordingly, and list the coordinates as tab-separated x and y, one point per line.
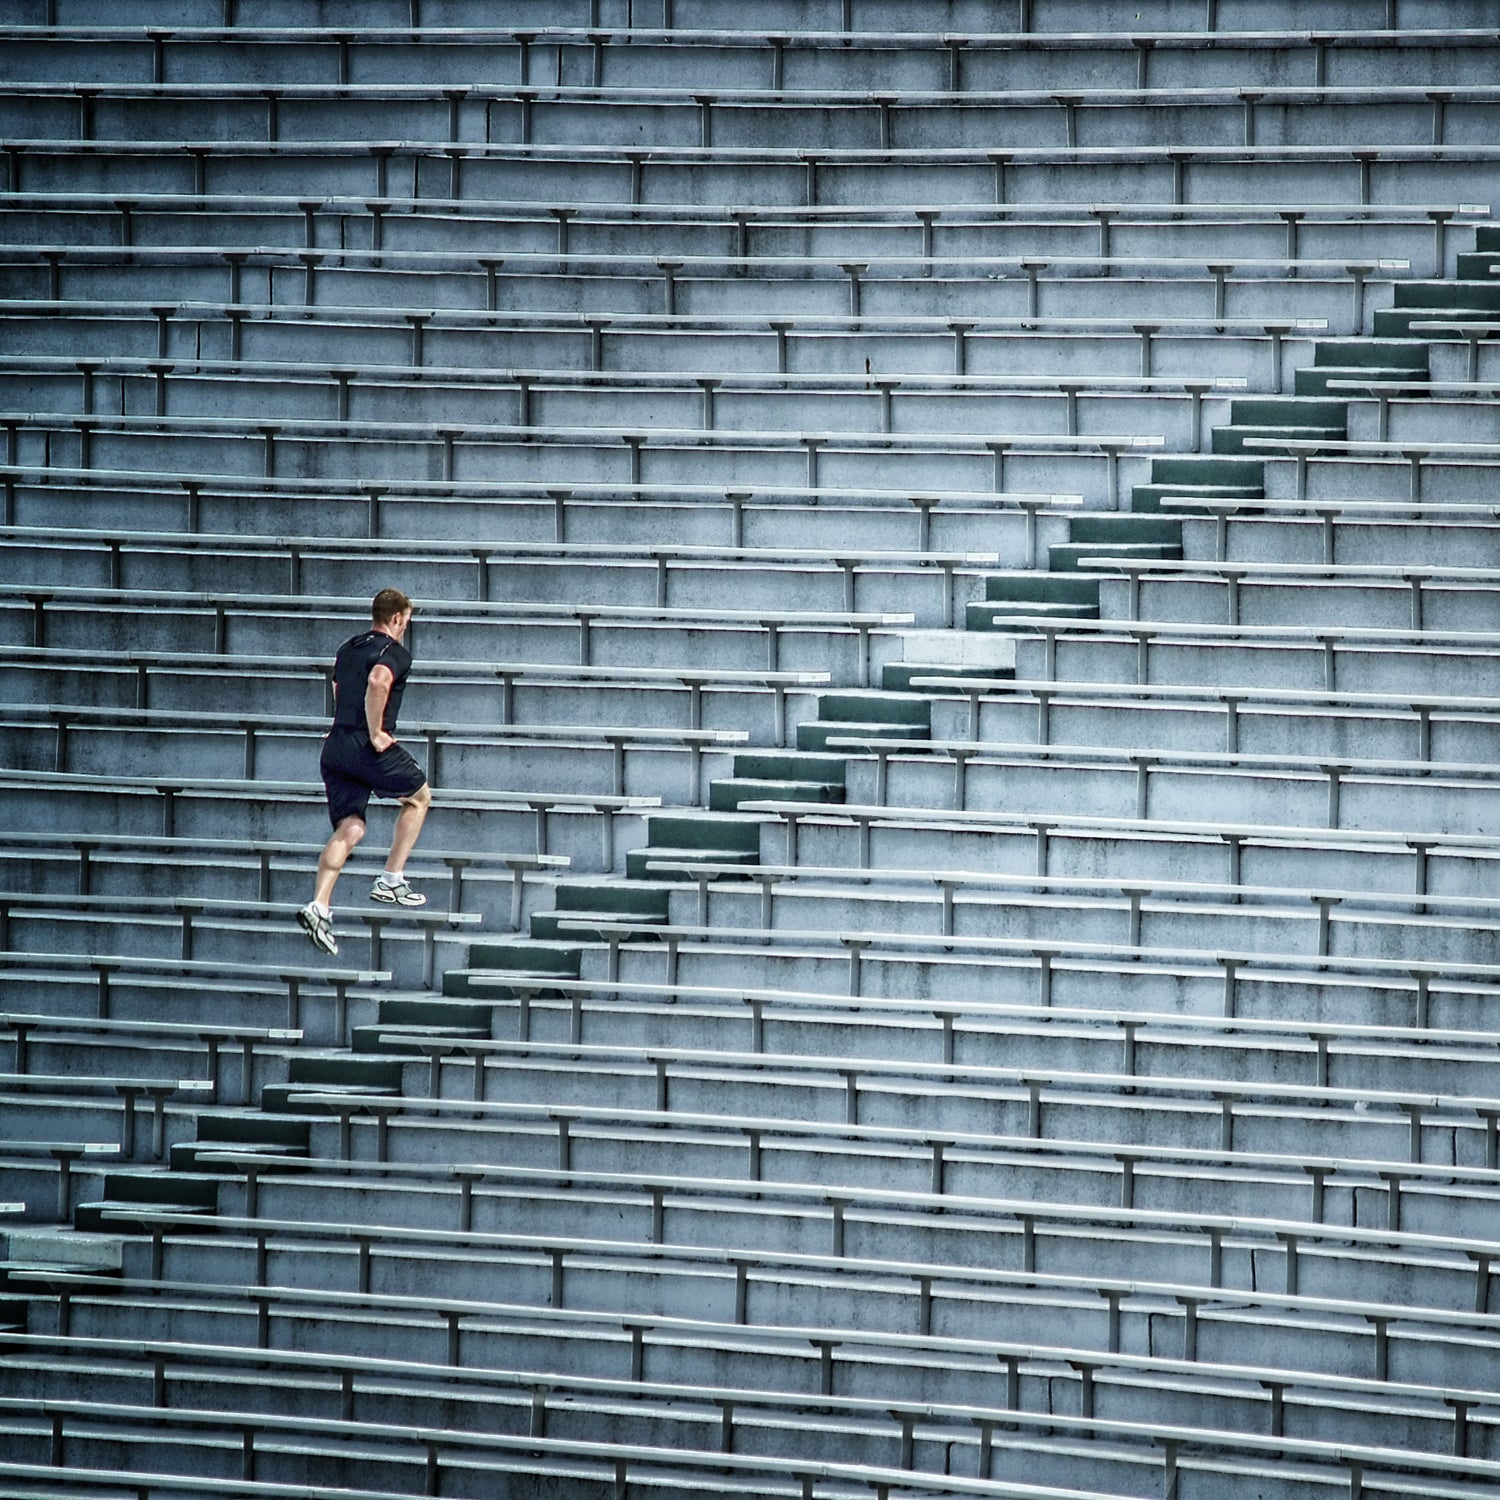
769	639
69	216
588	573
1393	176
633	702
909	61
697	286
1041	17
579	825
1016	525
1099	847
740	114
1180	346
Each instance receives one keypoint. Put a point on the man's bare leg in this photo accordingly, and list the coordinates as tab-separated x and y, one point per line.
408	825
335	855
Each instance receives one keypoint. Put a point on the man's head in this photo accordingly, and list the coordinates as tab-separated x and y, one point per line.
390	611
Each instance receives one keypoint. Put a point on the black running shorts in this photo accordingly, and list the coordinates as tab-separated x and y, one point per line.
353	773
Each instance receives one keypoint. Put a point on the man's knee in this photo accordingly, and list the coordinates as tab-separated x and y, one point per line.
421	798
350	831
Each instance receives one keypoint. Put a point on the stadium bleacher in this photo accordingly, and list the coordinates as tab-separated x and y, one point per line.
956	644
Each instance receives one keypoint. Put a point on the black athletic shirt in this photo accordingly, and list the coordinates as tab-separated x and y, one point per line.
351	674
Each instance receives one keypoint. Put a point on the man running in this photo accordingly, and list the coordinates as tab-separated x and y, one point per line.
361	758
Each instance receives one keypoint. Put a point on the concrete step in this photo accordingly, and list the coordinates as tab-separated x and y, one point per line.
1200	469
1066	556
700	830
1441	295
1395	322
240	1130
1036	587
1127	527
981	616
636	860
1146	498
1406	355
1294	411
626	898
572	925
873	706
174	1192
1312	380
277	1097
897	676
790	765
522	958
1474	265
432	1018
1231	439
728	794
643	902
816	734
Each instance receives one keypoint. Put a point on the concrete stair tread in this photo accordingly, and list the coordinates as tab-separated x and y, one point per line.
728	794
1127	526
816	734
43	1268
1065	556
457	982
904	671
789	765
523	954
1146	498
981	616
576	916
637	859
1231	439
369	1038
185	1156
276	1096
119	1221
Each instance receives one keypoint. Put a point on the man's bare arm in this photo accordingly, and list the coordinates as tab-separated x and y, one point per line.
377	691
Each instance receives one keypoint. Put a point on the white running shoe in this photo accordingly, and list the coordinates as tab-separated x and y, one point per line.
399	894
318	928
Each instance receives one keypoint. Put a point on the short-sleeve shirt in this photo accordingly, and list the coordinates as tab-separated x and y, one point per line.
351	674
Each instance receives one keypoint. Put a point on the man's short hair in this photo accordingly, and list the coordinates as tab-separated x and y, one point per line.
387	604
